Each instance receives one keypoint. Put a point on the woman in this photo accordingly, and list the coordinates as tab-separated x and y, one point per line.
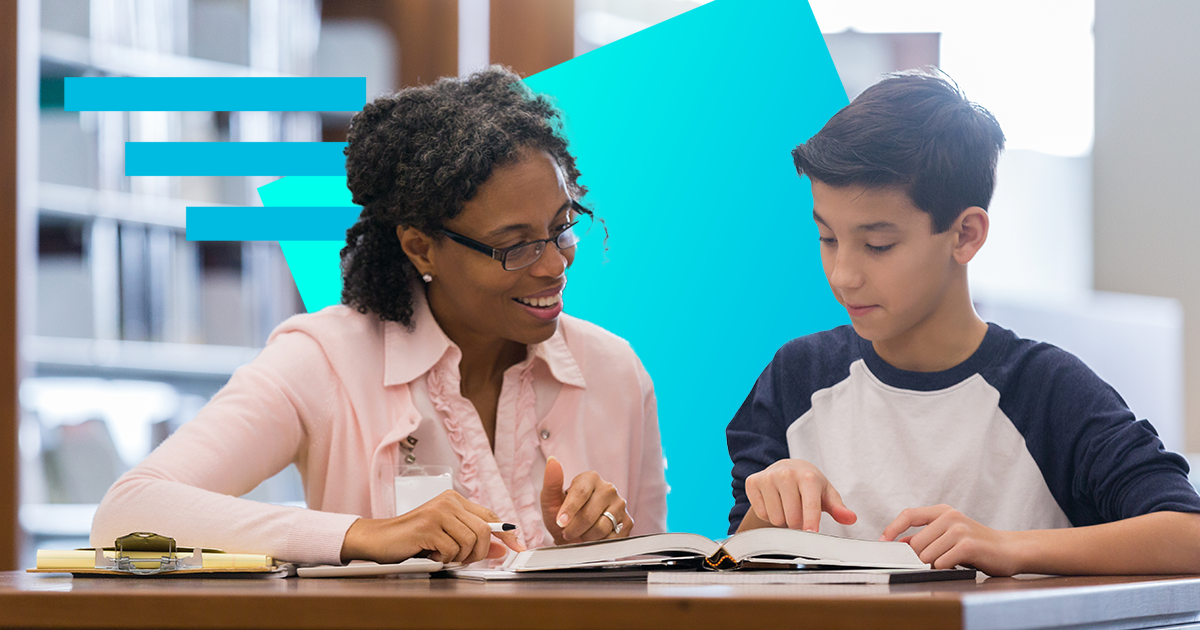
451	334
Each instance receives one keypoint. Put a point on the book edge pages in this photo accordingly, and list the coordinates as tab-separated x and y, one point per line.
835	550
569	556
867	576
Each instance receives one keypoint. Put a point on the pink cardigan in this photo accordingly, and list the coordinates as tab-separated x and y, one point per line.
331	394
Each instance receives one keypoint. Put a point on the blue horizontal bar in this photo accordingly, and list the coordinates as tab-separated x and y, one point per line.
215	94
270	223
235	158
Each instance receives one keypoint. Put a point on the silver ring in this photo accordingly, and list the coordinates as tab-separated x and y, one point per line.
616	526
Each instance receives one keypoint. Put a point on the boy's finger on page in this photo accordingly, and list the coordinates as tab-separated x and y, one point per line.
898	524
955	556
793	507
910	517
893	529
930	548
934	529
810	498
903	521
755	497
774	507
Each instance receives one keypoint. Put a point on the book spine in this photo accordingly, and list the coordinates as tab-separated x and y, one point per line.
720	561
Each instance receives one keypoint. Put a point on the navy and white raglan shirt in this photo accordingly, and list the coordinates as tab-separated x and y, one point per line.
1021	435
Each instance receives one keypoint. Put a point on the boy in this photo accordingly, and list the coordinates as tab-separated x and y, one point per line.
921	414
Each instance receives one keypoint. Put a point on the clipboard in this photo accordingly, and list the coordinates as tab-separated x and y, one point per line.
144	554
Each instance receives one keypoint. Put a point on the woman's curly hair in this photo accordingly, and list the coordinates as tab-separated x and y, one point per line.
415	156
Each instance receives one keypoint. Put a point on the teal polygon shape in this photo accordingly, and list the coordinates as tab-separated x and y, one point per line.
315	265
683	133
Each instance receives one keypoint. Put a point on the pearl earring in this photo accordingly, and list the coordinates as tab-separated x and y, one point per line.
427	278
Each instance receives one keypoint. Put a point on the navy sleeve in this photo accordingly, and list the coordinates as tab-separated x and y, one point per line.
757	435
1100	463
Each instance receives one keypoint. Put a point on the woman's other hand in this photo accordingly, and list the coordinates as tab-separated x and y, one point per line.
582	513
448	527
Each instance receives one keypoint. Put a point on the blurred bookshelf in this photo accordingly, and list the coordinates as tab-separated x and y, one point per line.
136	327
127	329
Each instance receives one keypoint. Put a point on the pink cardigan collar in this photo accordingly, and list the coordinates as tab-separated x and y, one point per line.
409	354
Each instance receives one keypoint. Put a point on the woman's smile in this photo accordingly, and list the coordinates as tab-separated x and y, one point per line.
544	305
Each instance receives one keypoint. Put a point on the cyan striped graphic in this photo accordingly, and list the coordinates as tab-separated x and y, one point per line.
287	223
215	94
235	158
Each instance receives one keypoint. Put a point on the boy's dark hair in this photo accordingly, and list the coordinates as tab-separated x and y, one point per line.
914	131
414	157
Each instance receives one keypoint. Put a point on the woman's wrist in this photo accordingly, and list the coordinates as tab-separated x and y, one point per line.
351	549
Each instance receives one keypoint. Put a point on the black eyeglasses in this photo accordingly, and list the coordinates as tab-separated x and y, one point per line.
525	254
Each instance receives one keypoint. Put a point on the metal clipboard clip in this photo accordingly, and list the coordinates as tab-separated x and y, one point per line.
144	553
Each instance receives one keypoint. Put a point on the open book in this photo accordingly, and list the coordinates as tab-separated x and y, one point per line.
768	546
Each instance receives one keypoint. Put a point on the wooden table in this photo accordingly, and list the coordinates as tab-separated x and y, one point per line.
59	601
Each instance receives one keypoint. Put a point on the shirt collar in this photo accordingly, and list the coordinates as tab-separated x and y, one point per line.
410	353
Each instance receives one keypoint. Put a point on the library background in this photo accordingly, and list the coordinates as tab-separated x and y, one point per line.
115	329
128	327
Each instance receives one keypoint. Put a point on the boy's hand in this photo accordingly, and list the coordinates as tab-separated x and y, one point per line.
950	539
792	493
581	514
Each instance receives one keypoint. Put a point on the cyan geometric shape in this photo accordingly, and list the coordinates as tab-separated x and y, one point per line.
315	265
683	133
254	223
235	158
215	94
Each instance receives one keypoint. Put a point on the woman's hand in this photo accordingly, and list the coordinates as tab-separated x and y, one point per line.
581	514
950	539
448	527
792	493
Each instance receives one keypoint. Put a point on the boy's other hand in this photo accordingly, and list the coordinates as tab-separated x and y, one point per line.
792	493
950	539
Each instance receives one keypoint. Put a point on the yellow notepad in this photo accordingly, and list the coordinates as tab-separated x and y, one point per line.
145	554
73	560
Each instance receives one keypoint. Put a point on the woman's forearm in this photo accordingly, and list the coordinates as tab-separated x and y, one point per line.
195	517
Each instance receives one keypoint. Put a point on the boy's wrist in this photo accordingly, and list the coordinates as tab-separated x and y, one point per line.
1027	550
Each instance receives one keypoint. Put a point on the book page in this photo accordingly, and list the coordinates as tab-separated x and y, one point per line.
822	549
612	552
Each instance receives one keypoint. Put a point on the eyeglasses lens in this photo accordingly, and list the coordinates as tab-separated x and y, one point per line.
569	238
523	256
526	255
